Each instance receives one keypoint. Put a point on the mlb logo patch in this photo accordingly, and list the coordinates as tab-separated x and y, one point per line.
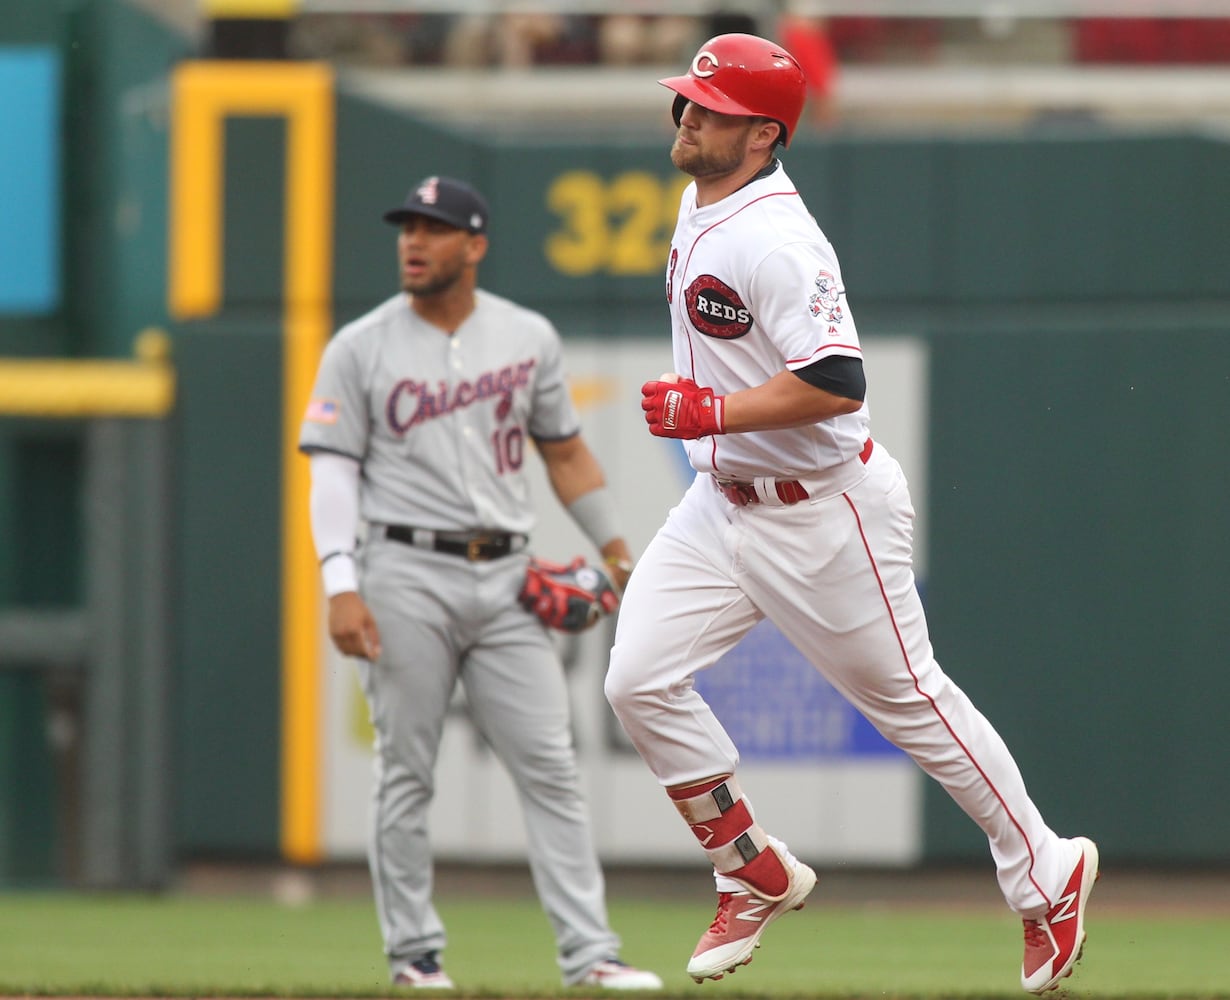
322	411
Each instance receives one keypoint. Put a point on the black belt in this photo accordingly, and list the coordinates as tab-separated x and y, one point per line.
476	546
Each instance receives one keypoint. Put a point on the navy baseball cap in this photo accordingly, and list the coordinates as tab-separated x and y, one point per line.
452	201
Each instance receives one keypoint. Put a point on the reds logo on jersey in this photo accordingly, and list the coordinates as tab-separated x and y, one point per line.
824	300
716	310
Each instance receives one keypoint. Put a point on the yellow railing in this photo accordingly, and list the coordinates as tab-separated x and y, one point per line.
70	387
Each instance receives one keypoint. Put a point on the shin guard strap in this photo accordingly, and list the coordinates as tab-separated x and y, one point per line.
711	804
739	852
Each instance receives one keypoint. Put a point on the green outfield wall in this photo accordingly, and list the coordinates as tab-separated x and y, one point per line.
1078	484
110	188
1071	284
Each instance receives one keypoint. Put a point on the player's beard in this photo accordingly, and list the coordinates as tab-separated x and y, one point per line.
700	162
435	283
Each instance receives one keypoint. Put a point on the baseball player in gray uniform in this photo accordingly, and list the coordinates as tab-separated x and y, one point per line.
794	515
417	431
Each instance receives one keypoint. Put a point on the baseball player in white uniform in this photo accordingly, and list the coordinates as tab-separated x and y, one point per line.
796	515
417	431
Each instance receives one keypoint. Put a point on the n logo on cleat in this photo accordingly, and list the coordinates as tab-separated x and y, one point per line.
753	912
1065	907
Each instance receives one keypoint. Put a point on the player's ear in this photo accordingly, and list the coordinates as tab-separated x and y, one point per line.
766	133
476	249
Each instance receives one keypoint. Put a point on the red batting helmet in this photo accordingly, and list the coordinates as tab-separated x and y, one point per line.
743	75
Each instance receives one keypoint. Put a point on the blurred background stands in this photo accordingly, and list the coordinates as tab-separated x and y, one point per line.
965	62
551	33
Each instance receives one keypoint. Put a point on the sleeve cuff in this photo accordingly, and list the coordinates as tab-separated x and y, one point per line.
338	574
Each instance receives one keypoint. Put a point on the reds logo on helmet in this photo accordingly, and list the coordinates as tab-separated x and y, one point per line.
704	64
716	310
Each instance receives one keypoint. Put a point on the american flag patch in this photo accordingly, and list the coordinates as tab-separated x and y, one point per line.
322	411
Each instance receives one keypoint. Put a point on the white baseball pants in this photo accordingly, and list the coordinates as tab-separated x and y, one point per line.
834	573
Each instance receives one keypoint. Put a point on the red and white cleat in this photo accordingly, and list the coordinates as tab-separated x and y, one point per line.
741	919
1054	943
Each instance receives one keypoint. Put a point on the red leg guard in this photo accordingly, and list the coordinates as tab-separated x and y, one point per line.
712	811
765	873
719	816
718	832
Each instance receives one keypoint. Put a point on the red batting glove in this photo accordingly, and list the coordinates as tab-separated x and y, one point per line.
682	409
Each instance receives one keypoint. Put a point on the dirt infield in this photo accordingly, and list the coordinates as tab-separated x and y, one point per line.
1191	892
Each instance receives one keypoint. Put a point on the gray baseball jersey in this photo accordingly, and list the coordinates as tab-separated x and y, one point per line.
440	422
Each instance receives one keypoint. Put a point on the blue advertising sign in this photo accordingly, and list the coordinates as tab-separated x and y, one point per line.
776	706
29	179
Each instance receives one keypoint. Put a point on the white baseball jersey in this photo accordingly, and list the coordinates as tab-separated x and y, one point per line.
440	422
754	287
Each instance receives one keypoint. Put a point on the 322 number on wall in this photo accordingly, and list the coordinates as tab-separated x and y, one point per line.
620	226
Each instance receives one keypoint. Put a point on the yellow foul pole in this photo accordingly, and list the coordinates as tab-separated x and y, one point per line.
204	94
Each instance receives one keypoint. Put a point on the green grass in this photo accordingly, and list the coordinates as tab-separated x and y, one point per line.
56	943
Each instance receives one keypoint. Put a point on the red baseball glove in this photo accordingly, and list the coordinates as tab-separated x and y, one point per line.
568	598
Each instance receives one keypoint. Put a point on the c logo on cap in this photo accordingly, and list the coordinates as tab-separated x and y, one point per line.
705	64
